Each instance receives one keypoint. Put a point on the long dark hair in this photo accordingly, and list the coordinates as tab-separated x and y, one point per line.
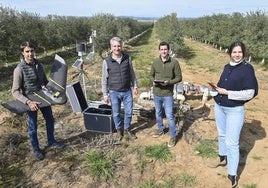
237	43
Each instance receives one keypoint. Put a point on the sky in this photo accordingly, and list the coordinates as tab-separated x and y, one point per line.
136	8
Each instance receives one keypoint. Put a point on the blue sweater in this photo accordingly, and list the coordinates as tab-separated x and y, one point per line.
236	78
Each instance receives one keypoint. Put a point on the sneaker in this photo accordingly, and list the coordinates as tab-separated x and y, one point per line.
39	155
130	134
158	133
221	163
56	144
233	180
119	134
172	142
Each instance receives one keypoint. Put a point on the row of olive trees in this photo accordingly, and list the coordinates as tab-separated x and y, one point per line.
169	29
53	32
223	29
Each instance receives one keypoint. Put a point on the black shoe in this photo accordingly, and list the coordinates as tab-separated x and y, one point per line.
119	134
38	154
130	134
223	160
233	180
56	144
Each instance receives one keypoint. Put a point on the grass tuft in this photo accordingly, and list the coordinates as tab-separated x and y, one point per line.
250	186
207	149
158	152
99	166
186	180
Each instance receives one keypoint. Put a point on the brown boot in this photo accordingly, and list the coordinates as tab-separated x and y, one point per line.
131	135
119	134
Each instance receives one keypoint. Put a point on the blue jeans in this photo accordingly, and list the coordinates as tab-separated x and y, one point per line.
117	97
167	103
32	126
229	121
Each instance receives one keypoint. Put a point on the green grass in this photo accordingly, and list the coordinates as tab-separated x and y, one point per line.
208	59
143	55
99	165
158	152
207	148
187	180
249	186
149	184
71	155
169	183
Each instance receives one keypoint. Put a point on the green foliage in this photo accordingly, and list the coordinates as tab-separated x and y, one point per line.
222	29
54	32
250	186
207	148
104	24
187	180
169	183
158	152
149	184
169	29
99	165
145	82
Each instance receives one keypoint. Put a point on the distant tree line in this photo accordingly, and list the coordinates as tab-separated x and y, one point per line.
223	29
53	32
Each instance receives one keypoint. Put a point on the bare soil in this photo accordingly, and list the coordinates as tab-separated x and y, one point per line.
65	168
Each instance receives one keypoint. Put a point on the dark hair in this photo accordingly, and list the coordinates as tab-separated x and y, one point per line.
237	43
163	44
26	44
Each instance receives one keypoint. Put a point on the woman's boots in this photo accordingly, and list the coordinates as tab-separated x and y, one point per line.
222	162
233	180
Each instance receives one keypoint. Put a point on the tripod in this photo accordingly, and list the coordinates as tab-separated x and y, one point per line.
81	74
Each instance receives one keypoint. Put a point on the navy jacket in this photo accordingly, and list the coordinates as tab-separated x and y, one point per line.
236	78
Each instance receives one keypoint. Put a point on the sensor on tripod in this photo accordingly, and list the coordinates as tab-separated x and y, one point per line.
77	63
81	49
90	56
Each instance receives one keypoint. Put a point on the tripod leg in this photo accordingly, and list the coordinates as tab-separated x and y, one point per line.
84	85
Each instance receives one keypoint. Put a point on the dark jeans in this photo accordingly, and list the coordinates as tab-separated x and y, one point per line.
32	126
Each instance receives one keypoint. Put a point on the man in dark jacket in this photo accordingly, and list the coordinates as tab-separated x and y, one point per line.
28	77
118	79
165	72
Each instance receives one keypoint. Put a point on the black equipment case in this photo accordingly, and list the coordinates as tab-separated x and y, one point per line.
96	119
